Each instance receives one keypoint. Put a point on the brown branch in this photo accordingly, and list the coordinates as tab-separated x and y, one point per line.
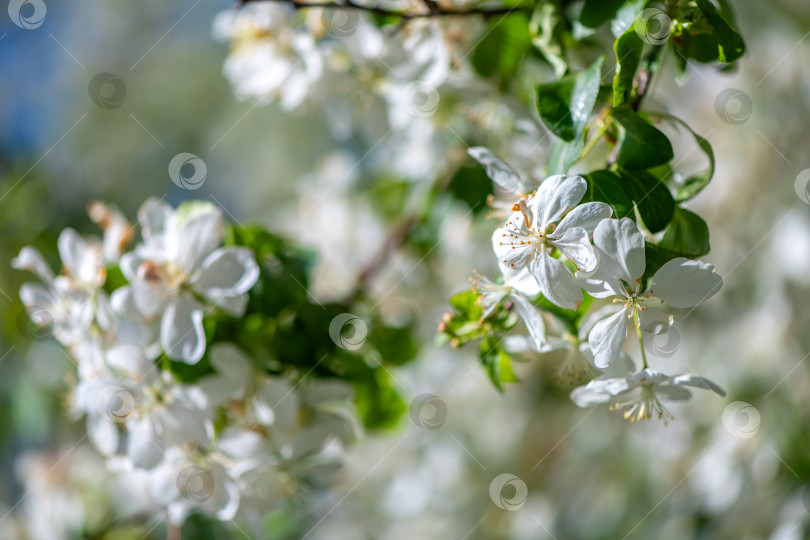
435	10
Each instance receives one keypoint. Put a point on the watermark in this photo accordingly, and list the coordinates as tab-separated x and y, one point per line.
741	419
508	492
421	99
187	171
428	411
107	90
663	344
342	22
195	484
653	26
802	186
115	403
35	323
348	331
27	14
733	106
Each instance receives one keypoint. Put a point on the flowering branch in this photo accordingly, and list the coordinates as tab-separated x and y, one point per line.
435	10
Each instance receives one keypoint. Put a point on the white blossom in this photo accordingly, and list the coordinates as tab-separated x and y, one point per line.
178	270
552	218
640	395
619	247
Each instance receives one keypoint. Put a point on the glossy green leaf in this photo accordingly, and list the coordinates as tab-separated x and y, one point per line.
597	12
653	200
687	234
607	187
694	184
471	185
730	44
566	105
641	145
628	48
497	363
502	47
564	155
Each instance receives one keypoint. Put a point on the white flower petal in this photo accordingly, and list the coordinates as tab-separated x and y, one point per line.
154	217
620	250
181	330
684	283
556	282
689	379
227	272
133	363
607	337
599	390
103	433
520	280
587	216
509	250
556	195
531	318
32	260
144	446
501	174
576	246
198	235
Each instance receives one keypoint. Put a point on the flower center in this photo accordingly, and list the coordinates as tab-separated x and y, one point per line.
643	407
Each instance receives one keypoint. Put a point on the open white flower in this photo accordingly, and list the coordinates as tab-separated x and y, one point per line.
550	219
520	288
271	58
619	246
639	395
179	266
64	304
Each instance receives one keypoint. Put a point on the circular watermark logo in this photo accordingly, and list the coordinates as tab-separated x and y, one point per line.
115	403
428	411
664	344
27	14
653	26
741	419
733	106
35	323
508	492
802	186
342	21
195	484
348	331
421	99
187	171
107	90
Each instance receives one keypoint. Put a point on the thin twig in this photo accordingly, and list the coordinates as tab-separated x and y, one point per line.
434	9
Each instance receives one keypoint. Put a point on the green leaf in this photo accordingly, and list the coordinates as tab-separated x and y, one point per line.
566	105
596	12
701	47
730	44
686	234
471	185
628	48
497	363
395	344
501	49
641	145
655	257
625	16
607	187
653	200
379	404
564	155
695	183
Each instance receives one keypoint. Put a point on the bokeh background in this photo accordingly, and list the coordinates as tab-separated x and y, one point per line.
589	474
